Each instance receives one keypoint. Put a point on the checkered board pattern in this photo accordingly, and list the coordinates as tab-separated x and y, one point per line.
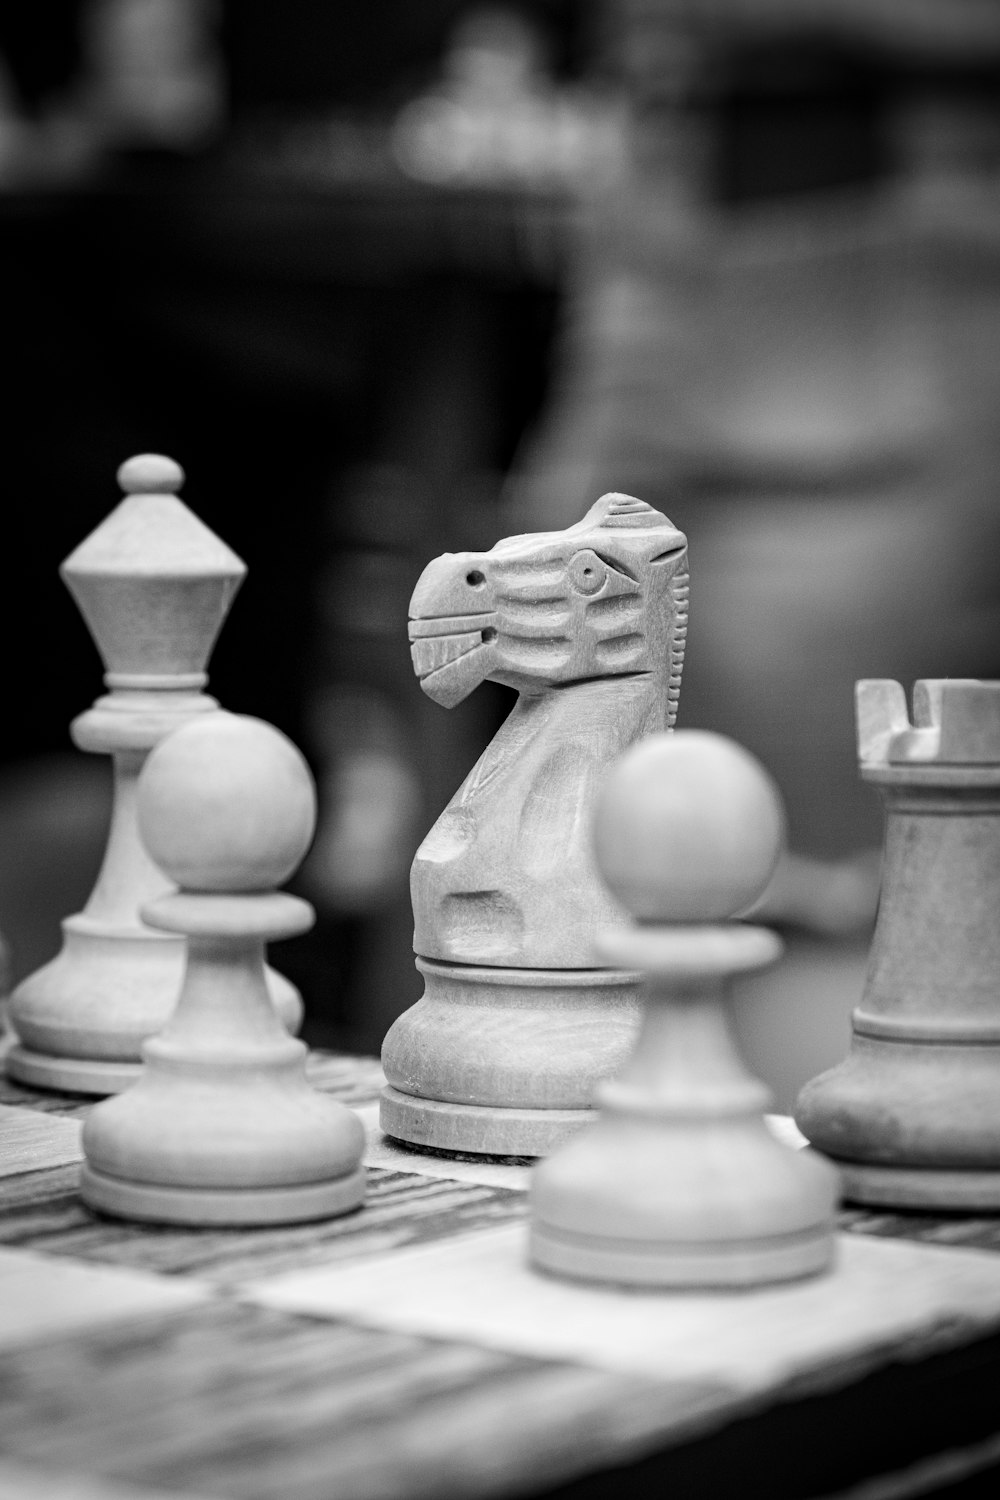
407	1350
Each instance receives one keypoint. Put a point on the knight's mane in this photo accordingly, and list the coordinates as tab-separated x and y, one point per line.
680	590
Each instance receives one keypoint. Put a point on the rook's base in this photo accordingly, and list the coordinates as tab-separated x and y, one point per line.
156	1204
904	1097
927	1188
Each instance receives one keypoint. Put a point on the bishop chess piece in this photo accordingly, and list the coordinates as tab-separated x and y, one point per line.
680	1183
154	585
222	1127
912	1115
518	1022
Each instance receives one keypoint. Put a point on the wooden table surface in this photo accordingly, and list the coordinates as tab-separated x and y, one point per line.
407	1351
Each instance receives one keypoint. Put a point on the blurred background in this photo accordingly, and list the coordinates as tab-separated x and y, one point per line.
392	279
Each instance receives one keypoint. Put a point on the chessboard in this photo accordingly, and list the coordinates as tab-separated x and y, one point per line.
407	1350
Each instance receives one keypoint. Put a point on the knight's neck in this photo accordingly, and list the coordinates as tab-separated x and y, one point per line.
637	701
601	716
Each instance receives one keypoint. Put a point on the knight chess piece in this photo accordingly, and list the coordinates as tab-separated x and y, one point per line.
154	585
912	1114
519	1020
680	1183
222	1127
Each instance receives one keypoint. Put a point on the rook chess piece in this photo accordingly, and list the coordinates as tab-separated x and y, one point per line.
680	1183
154	585
517	1023
222	1127
912	1114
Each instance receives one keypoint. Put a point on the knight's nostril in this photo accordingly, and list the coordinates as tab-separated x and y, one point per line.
489	634
475	578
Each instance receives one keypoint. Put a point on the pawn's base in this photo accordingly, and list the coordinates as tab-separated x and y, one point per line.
926	1188
70	1075
477	1129
153	999
663	1266
154	1203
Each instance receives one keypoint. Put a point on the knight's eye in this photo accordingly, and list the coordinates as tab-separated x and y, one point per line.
475	578
587	573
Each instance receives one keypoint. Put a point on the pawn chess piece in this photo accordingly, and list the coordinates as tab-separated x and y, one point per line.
912	1114
154	585
680	1183
517	1024
222	1127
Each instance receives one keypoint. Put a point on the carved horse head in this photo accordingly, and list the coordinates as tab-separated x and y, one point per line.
604	598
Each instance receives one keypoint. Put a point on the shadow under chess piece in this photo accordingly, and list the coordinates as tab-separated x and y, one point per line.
222	1127
912	1115
154	585
518	1022
680	1183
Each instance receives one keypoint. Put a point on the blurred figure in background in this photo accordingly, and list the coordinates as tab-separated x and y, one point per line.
506	145
784	325
233	266
393	279
782	328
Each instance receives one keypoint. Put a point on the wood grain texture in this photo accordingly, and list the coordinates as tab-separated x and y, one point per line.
31	1482
30	1142
353	1080
252	1403
880	1295
968	1231
43	1211
236	1400
41	1297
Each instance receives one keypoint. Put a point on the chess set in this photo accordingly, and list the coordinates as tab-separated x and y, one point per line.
553	1242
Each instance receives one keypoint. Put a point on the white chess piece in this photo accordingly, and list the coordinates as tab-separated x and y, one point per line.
222	1127
911	1116
154	585
680	1183
517	1022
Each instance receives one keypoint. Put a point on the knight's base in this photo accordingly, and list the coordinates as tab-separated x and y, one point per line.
926	1188
477	1129
155	1203
658	1265
505	1062
70	1075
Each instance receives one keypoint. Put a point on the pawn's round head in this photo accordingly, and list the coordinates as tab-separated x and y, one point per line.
150	474
688	828
227	803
